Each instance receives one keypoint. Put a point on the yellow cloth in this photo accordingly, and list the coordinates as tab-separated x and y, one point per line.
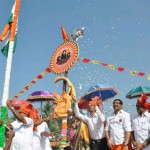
84	133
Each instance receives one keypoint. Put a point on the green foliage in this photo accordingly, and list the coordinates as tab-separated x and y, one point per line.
54	125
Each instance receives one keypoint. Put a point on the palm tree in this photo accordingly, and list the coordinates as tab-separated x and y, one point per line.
54	125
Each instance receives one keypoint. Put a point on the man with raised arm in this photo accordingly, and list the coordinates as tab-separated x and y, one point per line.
23	127
95	122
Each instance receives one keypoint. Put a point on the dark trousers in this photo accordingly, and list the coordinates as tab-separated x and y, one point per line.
100	144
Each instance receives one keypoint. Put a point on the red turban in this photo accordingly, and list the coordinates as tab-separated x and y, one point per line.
143	101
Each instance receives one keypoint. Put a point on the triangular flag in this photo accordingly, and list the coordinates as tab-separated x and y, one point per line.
43	73
10	31
133	72
120	69
85	60
112	67
104	64
95	61
64	34
141	73
40	76
47	70
148	77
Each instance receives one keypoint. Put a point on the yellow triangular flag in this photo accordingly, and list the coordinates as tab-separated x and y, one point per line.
133	72
148	77
112	67
95	61
43	73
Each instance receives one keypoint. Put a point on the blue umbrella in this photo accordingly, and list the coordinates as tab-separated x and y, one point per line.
104	92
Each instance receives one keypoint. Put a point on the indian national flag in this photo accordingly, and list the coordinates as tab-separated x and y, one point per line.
9	33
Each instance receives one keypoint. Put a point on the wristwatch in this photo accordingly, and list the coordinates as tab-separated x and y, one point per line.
125	144
12	108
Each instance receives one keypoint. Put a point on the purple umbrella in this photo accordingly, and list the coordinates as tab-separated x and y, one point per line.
40	96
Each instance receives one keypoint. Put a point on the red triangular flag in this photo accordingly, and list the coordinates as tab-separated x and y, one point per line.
47	70
120	69
104	64
39	77
26	87
141	73
64	34
33	82
85	60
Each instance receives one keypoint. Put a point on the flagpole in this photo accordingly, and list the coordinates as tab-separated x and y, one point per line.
5	96
7	74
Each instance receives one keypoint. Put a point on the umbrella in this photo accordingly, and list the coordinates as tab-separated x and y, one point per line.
103	91
136	92
40	96
17	103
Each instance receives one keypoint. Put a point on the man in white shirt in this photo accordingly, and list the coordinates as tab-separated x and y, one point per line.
45	135
41	133
118	128
141	125
23	127
95	122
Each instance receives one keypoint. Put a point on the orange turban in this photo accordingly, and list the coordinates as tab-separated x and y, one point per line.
27	108
35	114
96	98
143	101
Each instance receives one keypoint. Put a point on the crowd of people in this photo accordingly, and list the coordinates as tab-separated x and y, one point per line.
28	131
117	131
92	131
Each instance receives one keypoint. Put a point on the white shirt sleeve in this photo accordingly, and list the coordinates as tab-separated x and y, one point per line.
107	125
127	122
46	127
29	121
100	114
78	114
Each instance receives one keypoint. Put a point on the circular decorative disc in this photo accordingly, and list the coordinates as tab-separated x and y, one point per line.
64	57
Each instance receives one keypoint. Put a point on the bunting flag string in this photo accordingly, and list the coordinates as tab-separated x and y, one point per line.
40	76
113	67
84	60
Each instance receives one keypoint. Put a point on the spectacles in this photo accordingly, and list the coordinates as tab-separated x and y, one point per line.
138	106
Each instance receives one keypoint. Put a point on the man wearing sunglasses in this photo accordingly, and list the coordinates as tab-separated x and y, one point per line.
141	125
118	128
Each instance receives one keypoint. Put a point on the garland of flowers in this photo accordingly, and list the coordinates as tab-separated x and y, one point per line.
2	127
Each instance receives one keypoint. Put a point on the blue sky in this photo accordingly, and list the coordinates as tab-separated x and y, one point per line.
116	32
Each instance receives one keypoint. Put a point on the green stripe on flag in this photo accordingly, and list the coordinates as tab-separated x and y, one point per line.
5	49
10	19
